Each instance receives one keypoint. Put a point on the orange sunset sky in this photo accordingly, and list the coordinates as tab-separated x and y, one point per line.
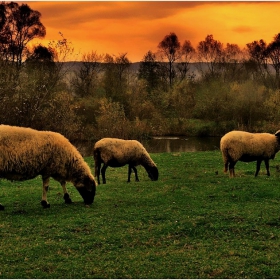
137	27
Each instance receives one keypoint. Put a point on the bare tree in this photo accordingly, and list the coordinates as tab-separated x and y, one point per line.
209	54
122	63
85	80
169	47
187	54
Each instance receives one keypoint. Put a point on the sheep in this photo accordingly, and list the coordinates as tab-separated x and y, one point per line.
116	152
26	153
247	147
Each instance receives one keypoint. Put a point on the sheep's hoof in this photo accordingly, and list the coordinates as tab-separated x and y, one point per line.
2	207
45	204
67	198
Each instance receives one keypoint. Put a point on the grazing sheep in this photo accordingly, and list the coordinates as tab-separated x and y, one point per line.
118	152
26	153
247	147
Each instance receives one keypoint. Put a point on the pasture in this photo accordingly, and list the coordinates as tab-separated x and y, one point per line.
194	222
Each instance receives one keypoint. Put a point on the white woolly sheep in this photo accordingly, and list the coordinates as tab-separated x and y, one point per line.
115	152
247	147
26	153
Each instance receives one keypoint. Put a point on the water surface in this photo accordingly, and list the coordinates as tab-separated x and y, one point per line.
181	144
167	145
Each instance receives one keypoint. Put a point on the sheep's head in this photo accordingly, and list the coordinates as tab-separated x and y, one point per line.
153	173
277	133
87	189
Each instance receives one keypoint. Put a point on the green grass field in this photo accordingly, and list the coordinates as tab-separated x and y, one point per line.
194	222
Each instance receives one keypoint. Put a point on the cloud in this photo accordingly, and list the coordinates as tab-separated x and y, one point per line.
69	14
138	26
243	29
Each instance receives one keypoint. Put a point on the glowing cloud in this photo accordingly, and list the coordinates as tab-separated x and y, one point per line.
137	27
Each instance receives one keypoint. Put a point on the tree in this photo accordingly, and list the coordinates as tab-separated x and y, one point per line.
209	54
148	70
19	24
187	54
273	53
122	64
36	89
169	47
41	54
40	65
231	63
115	76
40	84
257	51
85	80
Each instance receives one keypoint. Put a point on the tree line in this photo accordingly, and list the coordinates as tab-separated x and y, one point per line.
231	88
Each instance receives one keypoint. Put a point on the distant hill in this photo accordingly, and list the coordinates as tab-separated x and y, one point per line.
76	65
134	67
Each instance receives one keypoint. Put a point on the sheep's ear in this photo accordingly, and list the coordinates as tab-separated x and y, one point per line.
277	133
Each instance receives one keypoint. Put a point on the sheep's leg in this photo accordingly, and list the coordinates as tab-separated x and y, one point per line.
231	169
103	170
97	171
66	196
266	161
130	167
226	168
44	201
258	167
129	173
226	165
136	175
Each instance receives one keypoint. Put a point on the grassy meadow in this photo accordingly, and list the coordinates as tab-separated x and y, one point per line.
194	222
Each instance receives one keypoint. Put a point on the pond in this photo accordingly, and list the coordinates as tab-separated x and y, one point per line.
168	145
182	144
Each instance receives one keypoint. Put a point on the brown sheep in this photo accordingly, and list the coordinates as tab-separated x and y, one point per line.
247	147
26	153
118	152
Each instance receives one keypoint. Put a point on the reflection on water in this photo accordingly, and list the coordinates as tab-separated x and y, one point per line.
167	145
182	144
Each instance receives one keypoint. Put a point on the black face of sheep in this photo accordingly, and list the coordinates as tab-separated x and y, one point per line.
277	134
87	191
153	173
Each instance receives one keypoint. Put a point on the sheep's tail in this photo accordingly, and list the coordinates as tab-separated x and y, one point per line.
97	161
225	158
